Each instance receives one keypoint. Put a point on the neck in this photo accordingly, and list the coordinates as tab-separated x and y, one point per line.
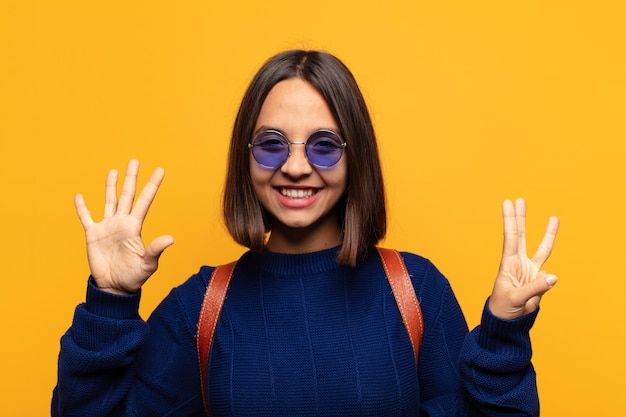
305	239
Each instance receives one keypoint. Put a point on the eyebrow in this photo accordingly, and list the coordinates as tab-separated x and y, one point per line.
265	128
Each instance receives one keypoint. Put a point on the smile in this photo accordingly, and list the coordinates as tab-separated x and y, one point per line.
298	193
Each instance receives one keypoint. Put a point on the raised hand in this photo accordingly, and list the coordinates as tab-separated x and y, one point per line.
521	283
118	260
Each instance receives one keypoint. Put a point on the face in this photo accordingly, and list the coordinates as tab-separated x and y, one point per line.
300	197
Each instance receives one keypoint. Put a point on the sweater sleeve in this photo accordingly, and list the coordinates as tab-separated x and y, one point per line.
497	375
485	372
112	363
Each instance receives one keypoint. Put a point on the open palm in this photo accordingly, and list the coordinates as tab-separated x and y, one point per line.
520	282
118	260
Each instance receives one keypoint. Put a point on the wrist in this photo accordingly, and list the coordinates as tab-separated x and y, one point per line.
501	310
107	304
497	334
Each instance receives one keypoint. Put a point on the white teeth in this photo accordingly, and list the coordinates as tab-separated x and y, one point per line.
291	193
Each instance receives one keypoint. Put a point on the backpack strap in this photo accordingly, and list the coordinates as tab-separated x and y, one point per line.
207	321
396	272
404	293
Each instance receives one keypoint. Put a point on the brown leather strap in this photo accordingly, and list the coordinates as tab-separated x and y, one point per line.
209	314
396	272
404	294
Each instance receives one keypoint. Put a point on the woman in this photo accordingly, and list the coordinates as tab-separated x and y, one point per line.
309	326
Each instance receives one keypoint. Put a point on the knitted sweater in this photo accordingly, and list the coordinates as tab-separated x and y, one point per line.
299	335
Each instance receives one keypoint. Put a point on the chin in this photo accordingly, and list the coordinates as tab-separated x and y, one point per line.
296	224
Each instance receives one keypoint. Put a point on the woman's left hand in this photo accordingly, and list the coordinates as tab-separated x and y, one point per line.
521	282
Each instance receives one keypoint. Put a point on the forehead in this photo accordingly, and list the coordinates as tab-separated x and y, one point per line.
295	106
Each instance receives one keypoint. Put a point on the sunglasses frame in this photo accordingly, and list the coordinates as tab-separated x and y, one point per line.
342	146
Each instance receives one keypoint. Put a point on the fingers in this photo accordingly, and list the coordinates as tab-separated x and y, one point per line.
547	243
127	195
110	194
125	204
511	241
83	213
520	220
515	232
146	197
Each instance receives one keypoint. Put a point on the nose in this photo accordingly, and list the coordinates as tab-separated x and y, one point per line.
297	164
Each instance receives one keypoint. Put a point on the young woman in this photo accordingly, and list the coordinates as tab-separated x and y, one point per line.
309	326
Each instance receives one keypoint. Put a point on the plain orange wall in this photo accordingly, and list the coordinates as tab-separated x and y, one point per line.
473	102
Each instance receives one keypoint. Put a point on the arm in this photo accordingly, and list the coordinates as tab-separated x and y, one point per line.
496	369
494	374
96	362
484	373
497	376
107	332
112	363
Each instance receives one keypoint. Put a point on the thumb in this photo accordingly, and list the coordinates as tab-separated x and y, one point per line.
158	245
539	286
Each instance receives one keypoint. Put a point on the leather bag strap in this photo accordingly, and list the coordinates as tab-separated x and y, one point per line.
207	321
404	293
396	272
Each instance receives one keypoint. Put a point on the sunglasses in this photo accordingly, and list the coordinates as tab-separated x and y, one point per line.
323	148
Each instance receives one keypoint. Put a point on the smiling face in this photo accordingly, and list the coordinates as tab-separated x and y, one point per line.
300	198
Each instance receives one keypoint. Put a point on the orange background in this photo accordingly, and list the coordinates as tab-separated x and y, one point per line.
473	102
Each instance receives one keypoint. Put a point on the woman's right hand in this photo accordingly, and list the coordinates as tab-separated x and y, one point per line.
118	260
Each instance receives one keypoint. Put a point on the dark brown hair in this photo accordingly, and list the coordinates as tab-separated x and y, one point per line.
362	209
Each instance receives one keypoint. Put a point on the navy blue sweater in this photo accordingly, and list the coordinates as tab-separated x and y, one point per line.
299	335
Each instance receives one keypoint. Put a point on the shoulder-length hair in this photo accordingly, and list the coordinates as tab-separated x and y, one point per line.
362	209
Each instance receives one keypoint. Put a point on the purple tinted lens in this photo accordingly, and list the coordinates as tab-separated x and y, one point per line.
270	149
324	148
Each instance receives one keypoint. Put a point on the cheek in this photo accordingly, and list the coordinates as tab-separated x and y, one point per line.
255	172
338	176
259	177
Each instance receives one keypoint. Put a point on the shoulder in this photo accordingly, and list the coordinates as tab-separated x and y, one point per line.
424	274
432	288
434	292
423	271
196	284
192	291
184	301
417	264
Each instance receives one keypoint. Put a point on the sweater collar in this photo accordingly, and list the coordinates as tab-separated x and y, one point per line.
292	264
